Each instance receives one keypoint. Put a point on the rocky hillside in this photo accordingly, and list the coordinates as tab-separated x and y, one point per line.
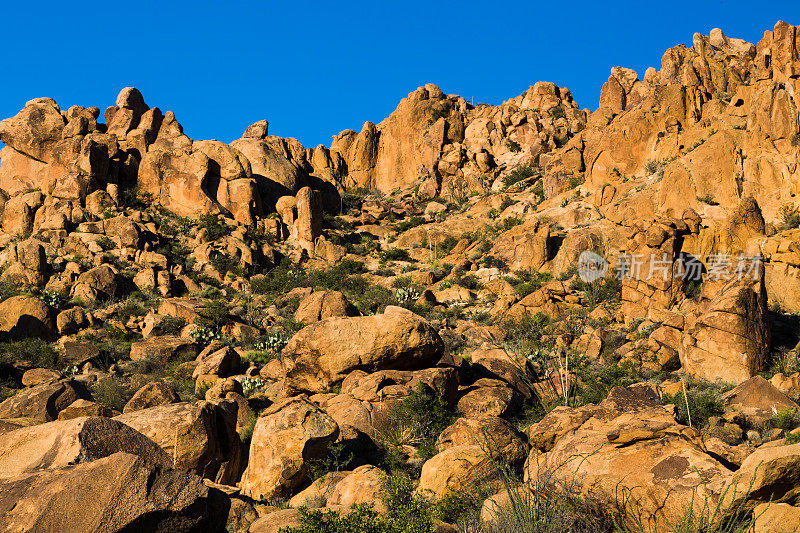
524	317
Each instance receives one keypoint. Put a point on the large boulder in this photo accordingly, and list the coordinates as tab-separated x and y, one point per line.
43	402
627	450
320	305
320	355
153	394
122	492
80	440
98	283
287	436
460	468
729	338
35	130
26	316
494	435
198	436
164	348
756	400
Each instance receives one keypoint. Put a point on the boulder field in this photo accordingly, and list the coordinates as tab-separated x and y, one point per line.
461	318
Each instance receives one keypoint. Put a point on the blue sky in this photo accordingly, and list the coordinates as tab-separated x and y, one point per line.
314	69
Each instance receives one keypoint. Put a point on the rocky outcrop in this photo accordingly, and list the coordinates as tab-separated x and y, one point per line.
286	437
116	493
60	444
322	354
199	437
627	446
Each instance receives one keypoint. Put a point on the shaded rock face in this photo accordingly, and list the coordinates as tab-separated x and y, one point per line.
286	437
320	355
43	402
730	338
63	443
199	436
117	493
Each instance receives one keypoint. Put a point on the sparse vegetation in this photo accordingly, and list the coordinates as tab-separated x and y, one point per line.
707	199
790	214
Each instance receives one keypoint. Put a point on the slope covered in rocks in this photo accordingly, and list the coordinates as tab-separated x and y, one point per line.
527	317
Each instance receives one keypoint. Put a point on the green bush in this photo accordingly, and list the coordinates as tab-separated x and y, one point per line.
224	263
790	214
131	306
171	325
113	392
216	228
527	281
703	401
786	420
513	146
558	112
604	290
36	351
106	243
510	222
707	199
406	513
517	175
418	420
406	225
395	254
214	315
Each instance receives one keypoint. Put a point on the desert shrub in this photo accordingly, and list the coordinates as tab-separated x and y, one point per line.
418	420
224	263
513	146
510	222
604	290
558	112
395	254
594	381
406	513
216	228
703	401
446	246
131	306
790	214
335	460
552	505
36	351
707	199
506	203
458	190
517	175
524	335
114	344
574	181
786	419
214	315
527	281
7	290
171	325
113	392
106	243
406	225
691	288
134	197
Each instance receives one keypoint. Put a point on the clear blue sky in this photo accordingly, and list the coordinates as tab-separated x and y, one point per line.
314	69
